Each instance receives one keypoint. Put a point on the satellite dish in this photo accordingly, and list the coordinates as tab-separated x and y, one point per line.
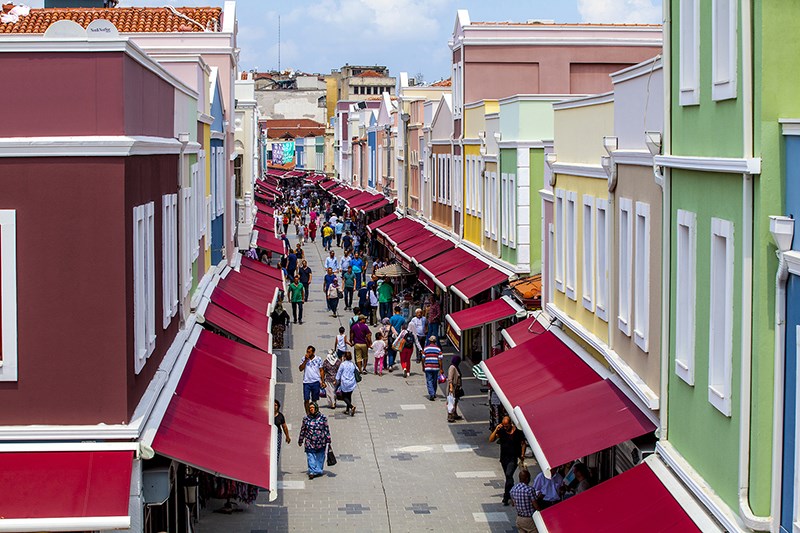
65	29
102	29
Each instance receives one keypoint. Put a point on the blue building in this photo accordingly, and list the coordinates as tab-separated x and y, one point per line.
218	166
372	140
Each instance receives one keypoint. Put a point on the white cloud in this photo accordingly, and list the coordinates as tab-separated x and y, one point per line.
620	11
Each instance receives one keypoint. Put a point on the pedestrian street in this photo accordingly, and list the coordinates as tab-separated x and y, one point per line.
401	466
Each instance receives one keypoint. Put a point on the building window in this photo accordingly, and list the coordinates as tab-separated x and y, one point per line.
625	266
200	193
8	295
689	52
144	288
723	49
588	253
237	174
487	204
187	243
493	206
559	234
512	210
571	244
720	345
601	264
685	295
220	178
448	181
194	233
641	278
478	187
169	256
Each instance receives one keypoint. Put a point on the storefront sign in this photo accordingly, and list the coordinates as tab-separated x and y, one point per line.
405	263
454	337
427	281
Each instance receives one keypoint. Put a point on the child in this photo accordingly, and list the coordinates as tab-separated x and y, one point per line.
304	237
379	352
342	342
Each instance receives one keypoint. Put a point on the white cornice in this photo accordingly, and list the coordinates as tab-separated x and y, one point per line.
585	101
635	71
537	98
730	165
88	146
551	41
632	157
580	169
205	119
792	258
547	195
218	135
521	144
790	126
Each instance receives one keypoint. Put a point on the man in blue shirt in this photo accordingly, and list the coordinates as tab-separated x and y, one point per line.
332	263
347	242
524	498
291	264
339	228
329	278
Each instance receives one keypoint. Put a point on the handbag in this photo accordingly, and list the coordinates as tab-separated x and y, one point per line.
331	456
322	393
357	375
459	392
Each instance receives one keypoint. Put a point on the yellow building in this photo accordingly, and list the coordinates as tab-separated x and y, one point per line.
473	167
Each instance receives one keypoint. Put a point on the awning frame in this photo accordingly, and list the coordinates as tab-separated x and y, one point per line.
514	305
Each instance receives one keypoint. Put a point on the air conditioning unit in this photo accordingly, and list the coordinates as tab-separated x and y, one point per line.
627	454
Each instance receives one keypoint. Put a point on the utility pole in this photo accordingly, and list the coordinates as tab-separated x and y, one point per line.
279	43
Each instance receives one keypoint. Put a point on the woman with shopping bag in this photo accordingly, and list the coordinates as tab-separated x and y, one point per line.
454	390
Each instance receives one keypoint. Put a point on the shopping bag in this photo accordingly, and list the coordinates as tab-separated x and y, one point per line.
451	403
358	376
322	393
441	378
331	456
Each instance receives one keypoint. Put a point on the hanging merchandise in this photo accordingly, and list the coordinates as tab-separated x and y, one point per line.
219	488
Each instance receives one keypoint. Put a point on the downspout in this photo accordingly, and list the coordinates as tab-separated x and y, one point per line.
666	223
750	519
184	140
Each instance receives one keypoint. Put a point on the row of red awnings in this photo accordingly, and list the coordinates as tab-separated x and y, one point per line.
217	416
356	199
567	411
439	261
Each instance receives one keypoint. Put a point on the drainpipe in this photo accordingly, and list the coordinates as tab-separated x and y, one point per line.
666	227
183	137
782	230
750	519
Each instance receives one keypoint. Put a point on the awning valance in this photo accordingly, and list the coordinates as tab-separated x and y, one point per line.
491	311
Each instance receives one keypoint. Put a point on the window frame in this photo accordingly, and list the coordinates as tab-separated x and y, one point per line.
588	252
685	294
724	46
8	296
512	210
558	219
641	278
571	245
720	344
144	336
169	257
689	51
601	259
625	266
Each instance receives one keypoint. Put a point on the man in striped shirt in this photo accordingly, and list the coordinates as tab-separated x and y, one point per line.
432	364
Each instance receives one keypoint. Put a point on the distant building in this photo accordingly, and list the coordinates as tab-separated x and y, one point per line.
354	82
289	95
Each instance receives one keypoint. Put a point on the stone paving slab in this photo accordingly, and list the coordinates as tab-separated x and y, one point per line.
402	467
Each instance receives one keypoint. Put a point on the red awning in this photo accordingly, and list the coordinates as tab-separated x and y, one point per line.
479	315
235	325
396	227
82	490
261	268
428	250
252	291
444	262
412	237
270	243
372	226
476	284
426	281
220	417
461	271
522	331
327	184
632	502
347	193
535	369
364	199
374	207
266	209
576	423
233	305
424	240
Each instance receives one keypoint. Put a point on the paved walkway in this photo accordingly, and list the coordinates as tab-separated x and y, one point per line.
401	467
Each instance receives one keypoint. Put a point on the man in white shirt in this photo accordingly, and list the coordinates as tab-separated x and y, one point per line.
332	221
332	263
311	367
419	327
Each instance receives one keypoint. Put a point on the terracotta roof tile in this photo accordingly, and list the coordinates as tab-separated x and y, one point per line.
443	83
370	74
126	19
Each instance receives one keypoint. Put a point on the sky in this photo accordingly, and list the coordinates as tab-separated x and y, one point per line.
405	35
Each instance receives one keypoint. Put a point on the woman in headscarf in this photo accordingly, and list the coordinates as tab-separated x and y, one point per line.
386	330
333	296
280	318
316	435
454	388
329	369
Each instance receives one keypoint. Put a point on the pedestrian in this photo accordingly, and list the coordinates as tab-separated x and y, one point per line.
378	353
339	230
298	251
327	236
291	264
373	304
296	297
329	370
363	297
524	499
316	435
304	238
347	241
312	227
311	367
349	283
344	262
434	317
283	429
304	272
280	319
388	338
512	450
332	263
358	266
432	364
329	278
385	295
346	381
354	318
361	339
333	294
296	221
548	491
454	390
286	244
419	327
285	222
406	349
342	342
